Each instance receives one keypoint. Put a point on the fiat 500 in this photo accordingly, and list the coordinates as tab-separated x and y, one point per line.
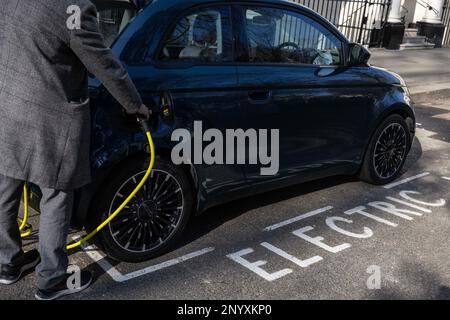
261	64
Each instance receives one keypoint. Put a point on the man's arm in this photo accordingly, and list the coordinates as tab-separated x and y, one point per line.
88	44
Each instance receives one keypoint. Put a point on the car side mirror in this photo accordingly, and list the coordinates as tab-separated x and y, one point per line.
358	55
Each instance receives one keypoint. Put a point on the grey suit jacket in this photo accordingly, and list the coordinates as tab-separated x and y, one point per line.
44	102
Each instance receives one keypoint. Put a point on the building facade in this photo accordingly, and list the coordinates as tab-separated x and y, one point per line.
394	24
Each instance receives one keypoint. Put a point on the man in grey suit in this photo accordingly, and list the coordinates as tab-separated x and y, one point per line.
47	48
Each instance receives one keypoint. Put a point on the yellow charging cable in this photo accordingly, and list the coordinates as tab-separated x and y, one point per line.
24	225
114	214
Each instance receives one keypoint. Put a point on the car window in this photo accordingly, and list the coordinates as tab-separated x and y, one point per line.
281	36
200	36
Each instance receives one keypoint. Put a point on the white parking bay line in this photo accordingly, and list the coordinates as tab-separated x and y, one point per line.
397	183
168	263
446	178
93	253
297	218
117	276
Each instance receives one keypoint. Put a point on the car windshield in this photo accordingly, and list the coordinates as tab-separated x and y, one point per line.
115	15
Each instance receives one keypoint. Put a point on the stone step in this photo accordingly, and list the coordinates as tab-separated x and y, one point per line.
409	32
415	39
416	46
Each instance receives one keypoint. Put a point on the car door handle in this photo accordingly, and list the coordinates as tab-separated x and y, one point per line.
260	96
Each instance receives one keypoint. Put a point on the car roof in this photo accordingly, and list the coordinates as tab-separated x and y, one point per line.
189	3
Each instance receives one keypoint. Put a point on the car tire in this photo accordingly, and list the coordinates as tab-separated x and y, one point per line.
387	151
161	209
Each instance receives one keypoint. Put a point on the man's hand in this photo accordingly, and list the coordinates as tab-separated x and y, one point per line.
143	112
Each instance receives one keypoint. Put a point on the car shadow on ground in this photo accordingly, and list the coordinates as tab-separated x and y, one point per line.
215	217
218	215
437	119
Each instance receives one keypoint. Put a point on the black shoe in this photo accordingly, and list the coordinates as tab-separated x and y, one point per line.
11	273
62	289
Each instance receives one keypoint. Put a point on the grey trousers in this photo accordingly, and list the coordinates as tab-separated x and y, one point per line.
56	210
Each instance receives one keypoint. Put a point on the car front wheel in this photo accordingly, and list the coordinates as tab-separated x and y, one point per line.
154	219
387	151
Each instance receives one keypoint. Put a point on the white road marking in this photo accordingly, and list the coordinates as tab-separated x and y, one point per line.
397	183
409	204
167	263
256	266
446	178
117	276
290	257
93	253
318	240
297	218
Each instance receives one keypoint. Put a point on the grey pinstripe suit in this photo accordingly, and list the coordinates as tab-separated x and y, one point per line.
44	113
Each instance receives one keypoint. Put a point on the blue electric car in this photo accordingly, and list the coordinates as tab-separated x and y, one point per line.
231	64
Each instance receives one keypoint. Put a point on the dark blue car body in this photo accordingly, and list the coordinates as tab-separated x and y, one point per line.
326	115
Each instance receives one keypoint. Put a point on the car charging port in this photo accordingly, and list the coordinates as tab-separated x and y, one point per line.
166	106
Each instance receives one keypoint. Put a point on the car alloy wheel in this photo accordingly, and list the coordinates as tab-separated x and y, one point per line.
152	216
390	151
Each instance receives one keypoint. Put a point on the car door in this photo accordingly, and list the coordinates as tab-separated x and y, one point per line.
293	78
194	69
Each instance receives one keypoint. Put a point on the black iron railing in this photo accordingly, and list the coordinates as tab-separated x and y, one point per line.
446	22
361	21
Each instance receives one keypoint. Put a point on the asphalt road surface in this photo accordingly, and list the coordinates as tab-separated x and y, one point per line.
335	238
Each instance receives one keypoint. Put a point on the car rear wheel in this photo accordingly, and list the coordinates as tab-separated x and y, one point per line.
387	151
154	219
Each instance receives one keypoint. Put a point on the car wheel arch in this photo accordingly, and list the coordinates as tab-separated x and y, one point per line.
100	182
401	109
188	169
